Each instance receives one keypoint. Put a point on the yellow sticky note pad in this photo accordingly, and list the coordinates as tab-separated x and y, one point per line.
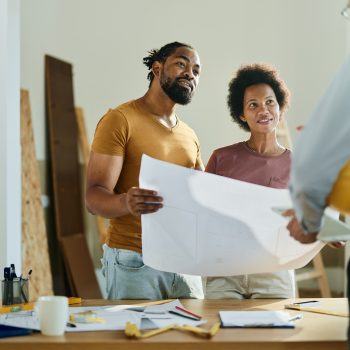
85	317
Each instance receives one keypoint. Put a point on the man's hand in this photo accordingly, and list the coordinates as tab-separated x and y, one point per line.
295	229
141	201
297	232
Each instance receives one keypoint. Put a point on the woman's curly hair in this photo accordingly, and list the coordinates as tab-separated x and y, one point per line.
253	74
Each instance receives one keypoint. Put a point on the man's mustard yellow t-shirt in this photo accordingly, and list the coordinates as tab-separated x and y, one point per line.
130	131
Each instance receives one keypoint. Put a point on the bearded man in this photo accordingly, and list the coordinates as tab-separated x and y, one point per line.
147	125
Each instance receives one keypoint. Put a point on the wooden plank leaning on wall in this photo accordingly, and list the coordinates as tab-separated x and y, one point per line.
66	179
85	151
35	254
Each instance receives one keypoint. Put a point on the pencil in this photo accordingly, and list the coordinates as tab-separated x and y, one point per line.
316	310
188	312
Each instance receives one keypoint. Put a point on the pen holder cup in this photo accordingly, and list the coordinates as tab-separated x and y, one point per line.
15	291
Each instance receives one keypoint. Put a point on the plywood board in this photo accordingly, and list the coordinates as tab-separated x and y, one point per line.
35	254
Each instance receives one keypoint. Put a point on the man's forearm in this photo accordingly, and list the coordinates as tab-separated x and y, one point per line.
102	202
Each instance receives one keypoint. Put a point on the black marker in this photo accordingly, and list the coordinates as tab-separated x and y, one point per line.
7	273
13	271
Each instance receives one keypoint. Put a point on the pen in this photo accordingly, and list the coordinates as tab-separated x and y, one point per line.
13	271
7	274
295	317
182	314
188	312
8	286
306	302
23	294
71	325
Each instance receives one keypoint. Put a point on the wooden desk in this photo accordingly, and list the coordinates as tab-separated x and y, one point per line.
314	331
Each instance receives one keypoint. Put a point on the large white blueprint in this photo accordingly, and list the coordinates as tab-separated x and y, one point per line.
215	226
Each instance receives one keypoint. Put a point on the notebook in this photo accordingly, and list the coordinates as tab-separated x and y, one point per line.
10	331
255	319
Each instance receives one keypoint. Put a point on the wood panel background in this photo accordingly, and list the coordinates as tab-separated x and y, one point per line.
35	254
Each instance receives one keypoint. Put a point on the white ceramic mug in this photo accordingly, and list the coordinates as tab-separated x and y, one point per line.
52	312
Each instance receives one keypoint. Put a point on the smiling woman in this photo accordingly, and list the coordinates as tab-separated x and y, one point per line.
261	113
257	97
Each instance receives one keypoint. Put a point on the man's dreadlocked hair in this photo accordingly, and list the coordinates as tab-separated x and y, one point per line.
160	56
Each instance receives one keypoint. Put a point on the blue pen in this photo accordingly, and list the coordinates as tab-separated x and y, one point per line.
7	274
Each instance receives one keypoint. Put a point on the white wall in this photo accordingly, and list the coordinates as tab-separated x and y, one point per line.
107	39
10	155
347	249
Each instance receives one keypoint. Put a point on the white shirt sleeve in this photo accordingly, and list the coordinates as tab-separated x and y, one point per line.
321	150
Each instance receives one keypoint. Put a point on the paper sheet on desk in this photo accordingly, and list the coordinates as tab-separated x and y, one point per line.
215	226
115	317
114	320
157	316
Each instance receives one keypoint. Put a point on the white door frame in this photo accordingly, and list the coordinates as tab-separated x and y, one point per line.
10	151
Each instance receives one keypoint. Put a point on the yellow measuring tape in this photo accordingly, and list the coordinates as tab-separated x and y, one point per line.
132	331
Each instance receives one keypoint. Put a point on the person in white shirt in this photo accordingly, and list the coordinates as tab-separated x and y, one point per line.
322	152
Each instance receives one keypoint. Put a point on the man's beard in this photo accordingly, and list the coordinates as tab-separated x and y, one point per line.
175	91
